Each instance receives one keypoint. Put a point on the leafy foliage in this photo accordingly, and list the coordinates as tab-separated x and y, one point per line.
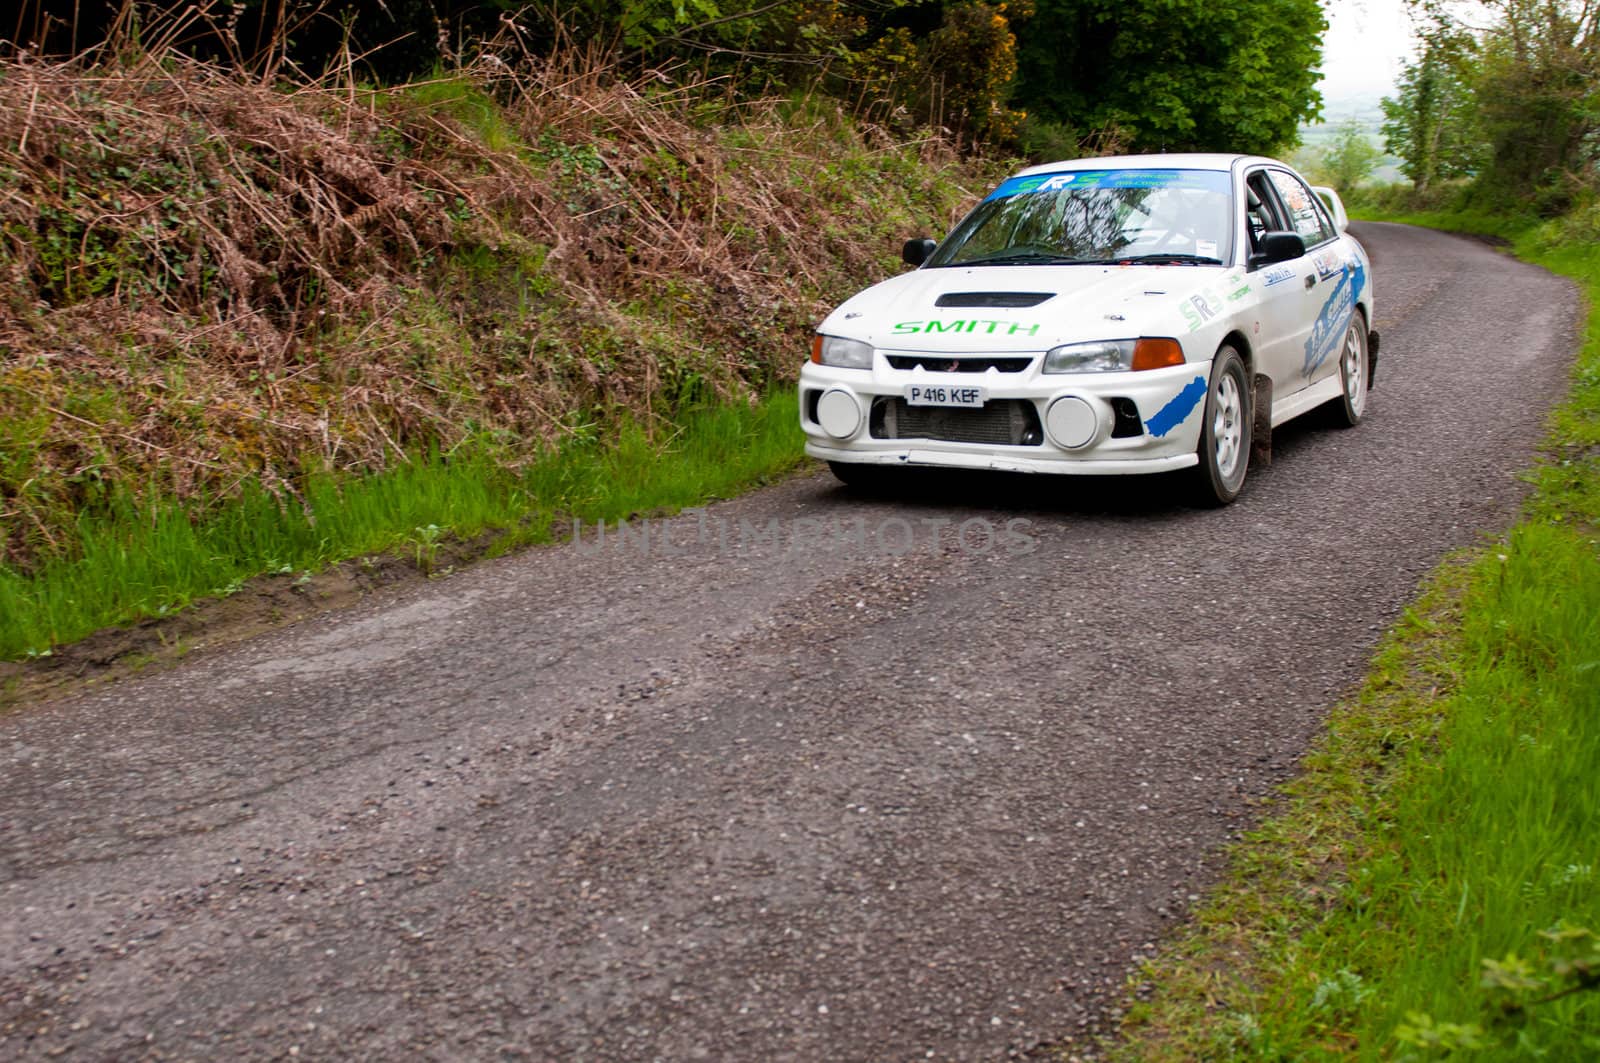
969	62
1538	101
1514	103
1217	75
1432	123
1074	76
1350	158
1514	987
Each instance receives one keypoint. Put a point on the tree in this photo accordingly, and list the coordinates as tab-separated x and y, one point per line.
1539	107
1210	75
1351	157
1514	102
1431	124
962	72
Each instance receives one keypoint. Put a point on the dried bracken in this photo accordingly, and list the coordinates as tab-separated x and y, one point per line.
209	281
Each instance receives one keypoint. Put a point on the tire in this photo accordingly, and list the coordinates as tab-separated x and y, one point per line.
1224	449
1355	375
859	476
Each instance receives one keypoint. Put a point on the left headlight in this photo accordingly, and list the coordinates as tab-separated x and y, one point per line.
1090	357
846	354
1108	355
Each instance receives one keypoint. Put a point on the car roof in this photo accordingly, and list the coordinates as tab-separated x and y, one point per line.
1197	161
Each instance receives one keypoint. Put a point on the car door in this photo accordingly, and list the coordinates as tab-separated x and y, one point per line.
1286	291
1326	280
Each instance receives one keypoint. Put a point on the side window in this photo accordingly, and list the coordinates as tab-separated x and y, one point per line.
1307	215
1262	213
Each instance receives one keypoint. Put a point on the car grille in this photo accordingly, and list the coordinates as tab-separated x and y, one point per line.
1005	422
942	363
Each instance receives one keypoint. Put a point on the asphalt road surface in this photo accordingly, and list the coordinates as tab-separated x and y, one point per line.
891	778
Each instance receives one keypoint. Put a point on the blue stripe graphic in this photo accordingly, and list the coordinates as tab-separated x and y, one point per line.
1178	409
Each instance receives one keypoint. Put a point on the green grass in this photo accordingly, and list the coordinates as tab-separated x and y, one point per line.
136	563
1429	887
467	103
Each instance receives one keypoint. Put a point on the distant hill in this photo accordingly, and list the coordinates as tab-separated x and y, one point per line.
1336	109
1365	109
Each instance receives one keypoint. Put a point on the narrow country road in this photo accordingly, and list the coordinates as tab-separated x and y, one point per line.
902	778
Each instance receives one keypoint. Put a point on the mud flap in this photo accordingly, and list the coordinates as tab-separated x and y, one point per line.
1372	357
1261	422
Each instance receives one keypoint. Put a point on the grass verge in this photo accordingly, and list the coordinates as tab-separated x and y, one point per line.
141	562
1428	887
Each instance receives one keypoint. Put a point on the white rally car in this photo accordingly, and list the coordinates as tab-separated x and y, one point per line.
1116	315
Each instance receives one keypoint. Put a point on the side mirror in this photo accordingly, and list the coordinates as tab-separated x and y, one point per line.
916	252
1278	247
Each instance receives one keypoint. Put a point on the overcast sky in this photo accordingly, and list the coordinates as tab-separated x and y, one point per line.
1361	55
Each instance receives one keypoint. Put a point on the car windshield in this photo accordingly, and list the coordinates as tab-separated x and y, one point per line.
1097	217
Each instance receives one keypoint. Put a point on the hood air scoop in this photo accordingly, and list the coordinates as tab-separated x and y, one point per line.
1006	299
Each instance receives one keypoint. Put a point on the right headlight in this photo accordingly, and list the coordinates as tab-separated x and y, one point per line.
846	354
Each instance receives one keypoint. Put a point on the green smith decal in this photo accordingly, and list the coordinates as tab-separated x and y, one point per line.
980	326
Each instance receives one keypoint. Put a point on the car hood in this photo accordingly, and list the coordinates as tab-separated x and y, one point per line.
979	309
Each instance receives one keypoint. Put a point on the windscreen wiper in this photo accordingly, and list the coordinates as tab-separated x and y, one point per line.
1175	259
1030	258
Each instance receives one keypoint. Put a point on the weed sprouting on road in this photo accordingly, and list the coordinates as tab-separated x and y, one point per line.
1430	886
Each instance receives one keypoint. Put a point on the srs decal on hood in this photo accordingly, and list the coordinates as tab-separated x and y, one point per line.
1335	316
1200	308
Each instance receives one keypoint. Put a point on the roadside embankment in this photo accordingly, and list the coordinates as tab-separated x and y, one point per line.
379	317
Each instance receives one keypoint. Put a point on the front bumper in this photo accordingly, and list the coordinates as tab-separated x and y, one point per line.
1106	423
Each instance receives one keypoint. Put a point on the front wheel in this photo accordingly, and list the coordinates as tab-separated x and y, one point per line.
1355	373
1225	432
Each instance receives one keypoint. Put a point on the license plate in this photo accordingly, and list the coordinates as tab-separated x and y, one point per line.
943	395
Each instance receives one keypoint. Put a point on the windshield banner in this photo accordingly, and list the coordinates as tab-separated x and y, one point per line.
1210	180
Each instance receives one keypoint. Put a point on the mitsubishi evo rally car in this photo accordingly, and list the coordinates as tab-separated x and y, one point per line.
1124	315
